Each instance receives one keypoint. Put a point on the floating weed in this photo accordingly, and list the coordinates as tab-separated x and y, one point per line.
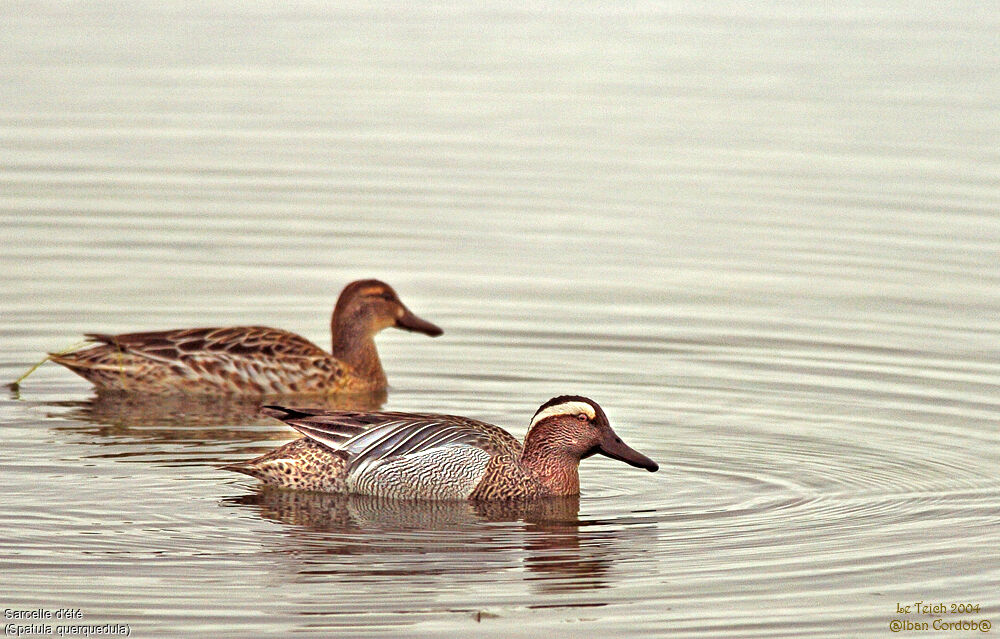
16	384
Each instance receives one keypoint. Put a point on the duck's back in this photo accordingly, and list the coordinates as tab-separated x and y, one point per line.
236	359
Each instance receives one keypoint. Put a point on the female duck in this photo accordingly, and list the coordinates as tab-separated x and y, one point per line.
418	456
253	360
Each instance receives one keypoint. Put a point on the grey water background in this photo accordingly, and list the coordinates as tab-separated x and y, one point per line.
764	236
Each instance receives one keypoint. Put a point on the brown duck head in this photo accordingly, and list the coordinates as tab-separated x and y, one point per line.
369	306
567	429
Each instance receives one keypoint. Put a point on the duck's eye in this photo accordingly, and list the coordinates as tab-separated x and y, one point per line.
582	417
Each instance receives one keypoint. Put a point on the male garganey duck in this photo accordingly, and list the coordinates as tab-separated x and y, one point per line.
426	456
253	360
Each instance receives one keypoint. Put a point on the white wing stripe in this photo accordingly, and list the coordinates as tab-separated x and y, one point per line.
414	438
376	451
371	437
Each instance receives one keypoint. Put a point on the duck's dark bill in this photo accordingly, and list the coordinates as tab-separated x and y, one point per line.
411	322
615	448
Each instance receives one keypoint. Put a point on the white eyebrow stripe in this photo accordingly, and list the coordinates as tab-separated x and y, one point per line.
566	408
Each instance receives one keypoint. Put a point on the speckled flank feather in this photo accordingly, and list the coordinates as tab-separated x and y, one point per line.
252	360
429	456
302	464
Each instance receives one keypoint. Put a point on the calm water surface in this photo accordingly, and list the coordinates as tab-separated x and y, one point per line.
764	237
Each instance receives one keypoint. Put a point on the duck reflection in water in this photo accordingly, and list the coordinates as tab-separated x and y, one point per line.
160	419
337	535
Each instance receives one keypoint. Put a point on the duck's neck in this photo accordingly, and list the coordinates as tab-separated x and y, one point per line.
556	469
355	346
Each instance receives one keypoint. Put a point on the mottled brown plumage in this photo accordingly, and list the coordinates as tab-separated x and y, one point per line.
431	456
253	360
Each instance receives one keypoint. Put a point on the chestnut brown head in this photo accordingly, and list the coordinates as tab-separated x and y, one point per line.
577	426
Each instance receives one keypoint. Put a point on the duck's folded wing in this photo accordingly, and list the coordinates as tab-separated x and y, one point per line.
330	428
384	436
233	341
408	455
410	436
333	428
